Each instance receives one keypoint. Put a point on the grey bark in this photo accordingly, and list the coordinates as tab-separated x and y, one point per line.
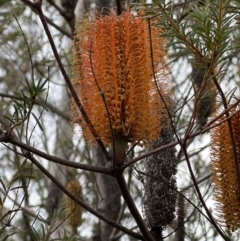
64	131
62	173
180	233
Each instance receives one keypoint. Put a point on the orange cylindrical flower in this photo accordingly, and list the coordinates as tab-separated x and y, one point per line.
113	63
224	171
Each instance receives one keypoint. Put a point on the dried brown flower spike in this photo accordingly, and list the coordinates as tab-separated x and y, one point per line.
73	211
225	171
114	53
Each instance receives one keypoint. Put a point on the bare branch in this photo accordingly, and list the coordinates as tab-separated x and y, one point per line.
132	207
13	140
80	202
61	30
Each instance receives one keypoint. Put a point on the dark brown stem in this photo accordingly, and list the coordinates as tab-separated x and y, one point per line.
15	141
123	207
67	14
80	202
183	146
132	208
61	30
193	135
119	7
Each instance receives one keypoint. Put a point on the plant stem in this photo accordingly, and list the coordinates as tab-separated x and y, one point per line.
132	207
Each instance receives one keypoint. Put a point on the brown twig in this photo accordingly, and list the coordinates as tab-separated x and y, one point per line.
61	30
78	201
132	207
121	212
119	6
77	165
13	140
212	124
67	14
200	195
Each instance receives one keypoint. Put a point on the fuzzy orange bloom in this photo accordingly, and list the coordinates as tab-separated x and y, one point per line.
114	53
224	173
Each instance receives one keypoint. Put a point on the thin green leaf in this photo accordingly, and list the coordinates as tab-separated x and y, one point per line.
38	122
3	185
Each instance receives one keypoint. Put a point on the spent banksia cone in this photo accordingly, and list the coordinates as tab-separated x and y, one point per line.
160	194
113	77
225	171
73	211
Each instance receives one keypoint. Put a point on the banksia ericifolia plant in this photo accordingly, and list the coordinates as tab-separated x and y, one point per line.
225	170
73	211
113	77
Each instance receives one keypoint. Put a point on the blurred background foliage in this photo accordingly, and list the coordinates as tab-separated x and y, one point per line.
203	43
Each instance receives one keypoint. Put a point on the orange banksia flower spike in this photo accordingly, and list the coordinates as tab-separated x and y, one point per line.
225	171
73	211
113	77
